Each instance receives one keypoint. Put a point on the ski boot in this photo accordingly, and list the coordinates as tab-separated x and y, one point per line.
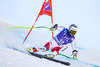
43	49
50	55
32	49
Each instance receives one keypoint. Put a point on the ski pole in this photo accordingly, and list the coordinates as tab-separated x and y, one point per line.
27	27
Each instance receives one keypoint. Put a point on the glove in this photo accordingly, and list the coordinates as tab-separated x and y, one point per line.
54	27
74	54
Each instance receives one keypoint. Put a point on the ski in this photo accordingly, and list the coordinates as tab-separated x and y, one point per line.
52	59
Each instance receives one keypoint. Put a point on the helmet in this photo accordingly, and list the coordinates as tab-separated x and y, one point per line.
73	27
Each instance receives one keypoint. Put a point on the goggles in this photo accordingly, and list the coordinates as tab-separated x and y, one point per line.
73	32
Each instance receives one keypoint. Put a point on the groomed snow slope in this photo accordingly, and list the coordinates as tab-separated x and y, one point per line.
13	53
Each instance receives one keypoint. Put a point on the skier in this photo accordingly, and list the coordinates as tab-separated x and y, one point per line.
59	43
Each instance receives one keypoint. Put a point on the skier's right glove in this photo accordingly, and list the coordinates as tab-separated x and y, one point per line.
74	53
54	27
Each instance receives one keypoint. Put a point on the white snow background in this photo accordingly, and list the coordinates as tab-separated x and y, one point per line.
85	14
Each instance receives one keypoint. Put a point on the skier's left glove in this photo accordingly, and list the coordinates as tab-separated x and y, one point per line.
54	27
74	54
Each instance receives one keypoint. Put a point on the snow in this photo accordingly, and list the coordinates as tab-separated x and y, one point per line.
14	54
12	58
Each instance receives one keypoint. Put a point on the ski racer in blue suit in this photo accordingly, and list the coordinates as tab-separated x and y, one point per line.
59	43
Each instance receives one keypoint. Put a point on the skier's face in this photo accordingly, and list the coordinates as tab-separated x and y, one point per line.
72	33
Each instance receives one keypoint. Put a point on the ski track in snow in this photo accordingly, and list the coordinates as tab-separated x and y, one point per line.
13	54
